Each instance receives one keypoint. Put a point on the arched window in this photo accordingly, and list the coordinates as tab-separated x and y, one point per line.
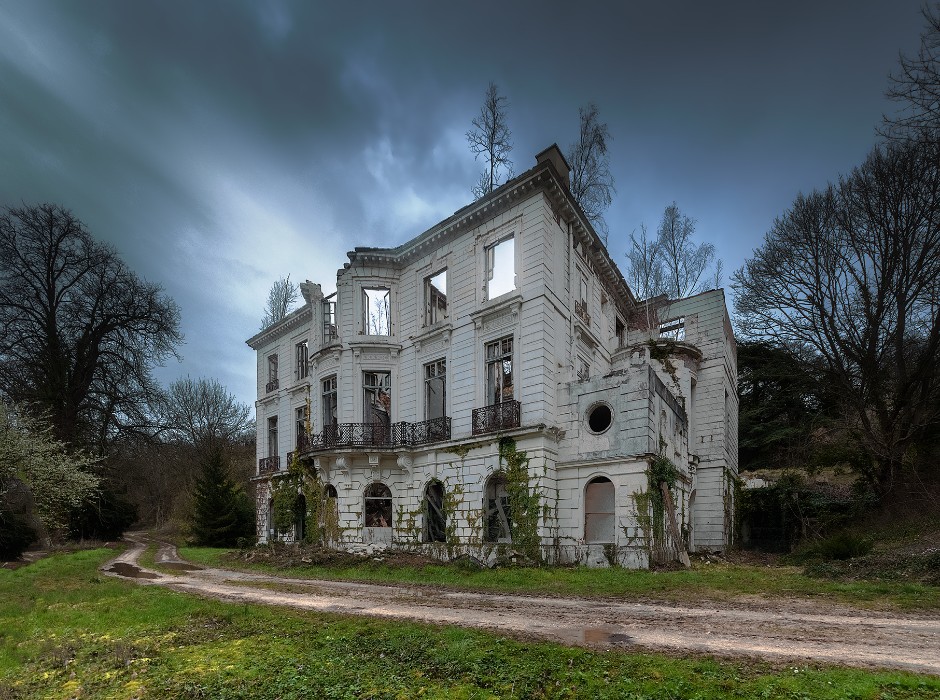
498	514
435	524
378	509
329	514
599	511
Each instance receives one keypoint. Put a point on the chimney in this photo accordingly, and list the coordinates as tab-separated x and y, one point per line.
553	155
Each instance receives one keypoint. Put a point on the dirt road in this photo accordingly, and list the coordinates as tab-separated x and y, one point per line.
779	630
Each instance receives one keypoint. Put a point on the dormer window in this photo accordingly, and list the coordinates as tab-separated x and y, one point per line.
376	311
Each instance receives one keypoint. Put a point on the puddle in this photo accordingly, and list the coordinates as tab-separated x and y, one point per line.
129	570
601	635
179	566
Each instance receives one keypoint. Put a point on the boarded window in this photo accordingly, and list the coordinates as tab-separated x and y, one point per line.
435	524
435	298
498	514
599	511
378	508
500	268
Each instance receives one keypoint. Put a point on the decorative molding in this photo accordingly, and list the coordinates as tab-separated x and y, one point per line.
405	462
498	314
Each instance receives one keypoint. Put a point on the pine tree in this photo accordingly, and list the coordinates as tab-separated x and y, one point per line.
222	510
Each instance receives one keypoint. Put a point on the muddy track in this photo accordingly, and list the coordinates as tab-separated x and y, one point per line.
790	631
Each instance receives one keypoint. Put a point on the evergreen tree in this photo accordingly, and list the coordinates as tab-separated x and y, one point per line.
223	512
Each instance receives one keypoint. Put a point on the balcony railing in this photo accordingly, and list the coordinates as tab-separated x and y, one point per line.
269	464
499	416
581	309
376	435
271	386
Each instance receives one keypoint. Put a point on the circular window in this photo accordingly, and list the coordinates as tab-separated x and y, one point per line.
600	418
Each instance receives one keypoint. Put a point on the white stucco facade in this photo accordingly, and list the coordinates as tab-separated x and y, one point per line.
508	321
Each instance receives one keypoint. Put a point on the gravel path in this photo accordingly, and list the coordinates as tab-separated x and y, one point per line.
780	630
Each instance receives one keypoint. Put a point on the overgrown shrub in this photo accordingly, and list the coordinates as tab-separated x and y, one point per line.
16	534
841	546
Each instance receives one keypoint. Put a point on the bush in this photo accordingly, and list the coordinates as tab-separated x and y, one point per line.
16	534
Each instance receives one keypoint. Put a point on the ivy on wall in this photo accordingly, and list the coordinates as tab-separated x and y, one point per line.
525	500
321	520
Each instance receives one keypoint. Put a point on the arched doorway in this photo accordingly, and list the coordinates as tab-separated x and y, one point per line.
435	522
377	513
498	513
599	517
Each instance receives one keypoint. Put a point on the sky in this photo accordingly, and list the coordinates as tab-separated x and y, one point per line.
221	145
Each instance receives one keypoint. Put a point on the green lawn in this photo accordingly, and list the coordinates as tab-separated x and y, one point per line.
704	582
67	631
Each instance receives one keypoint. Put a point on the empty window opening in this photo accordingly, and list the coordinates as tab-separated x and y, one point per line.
272	373
300	357
300	427
600	418
272	436
499	380
435	523
599	511
329	514
673	329
329	404
378	510
300	518
620	331
377	404
584	370
498	512
435	298
329	319
376	312
435	390
500	268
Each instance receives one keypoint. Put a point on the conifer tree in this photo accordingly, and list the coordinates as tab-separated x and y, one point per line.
222	510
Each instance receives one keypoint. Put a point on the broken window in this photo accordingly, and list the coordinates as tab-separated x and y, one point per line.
599	511
272	373
435	524
673	329
300	427
435	389
435	298
584	369
378	508
500	268
376	312
498	513
499	381
377	404
328	402
300	355
620	331
329	319
272	436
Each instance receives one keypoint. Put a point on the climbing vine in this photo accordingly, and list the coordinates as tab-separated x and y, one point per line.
525	500
321	520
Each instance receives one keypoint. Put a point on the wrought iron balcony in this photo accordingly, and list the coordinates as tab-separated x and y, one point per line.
271	386
499	416
376	435
269	464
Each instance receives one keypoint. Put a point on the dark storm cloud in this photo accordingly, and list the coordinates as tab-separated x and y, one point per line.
219	145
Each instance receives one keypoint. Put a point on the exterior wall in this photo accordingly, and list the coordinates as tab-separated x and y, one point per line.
567	359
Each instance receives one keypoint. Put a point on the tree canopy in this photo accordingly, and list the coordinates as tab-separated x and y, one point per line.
850	277
81	332
592	184
491	139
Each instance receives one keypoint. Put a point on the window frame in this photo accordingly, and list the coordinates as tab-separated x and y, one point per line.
367	326
435	371
301	357
327	403
272	436
434	311
611	528
496	391
370	502
490	267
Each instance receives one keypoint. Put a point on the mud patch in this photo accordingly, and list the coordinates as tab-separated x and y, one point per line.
597	636
179	566
129	571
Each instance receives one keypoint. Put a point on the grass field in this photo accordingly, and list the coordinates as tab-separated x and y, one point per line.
67	631
715	581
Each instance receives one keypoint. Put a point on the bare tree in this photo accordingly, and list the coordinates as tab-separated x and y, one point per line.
645	266
592	184
490	138
202	412
684	263
850	277
917	87
281	297
80	331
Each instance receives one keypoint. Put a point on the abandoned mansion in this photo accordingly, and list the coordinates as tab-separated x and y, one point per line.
493	388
